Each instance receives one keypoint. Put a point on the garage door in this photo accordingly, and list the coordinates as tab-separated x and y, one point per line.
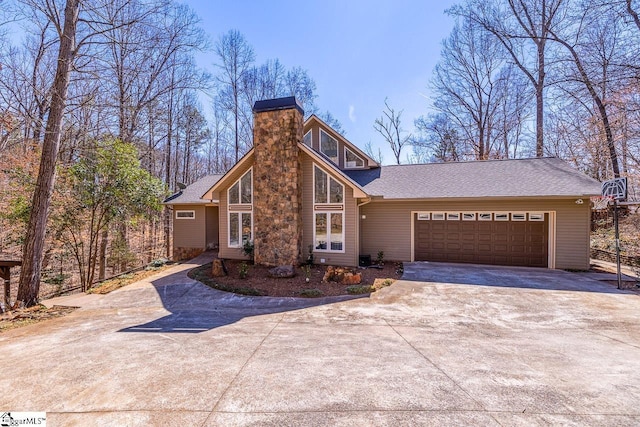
504	238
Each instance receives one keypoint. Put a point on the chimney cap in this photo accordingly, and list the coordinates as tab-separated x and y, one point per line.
277	104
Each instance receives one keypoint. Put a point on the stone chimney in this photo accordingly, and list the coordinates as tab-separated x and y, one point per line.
277	182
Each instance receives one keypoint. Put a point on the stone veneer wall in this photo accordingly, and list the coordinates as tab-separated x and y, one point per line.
277	187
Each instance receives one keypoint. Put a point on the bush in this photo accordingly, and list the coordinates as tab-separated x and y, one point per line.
311	293
359	289
248	249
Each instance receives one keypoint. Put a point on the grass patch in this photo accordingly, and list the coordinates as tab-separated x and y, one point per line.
311	293
201	274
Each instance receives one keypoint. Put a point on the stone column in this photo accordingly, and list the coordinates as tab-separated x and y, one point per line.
277	182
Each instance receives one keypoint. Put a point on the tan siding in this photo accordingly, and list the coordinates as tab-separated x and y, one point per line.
350	256
212	226
387	226
224	250
189	233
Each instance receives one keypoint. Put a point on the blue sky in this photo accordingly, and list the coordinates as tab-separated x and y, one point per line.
358	52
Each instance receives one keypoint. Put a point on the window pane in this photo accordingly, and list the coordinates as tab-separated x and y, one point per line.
336	231
307	138
234	197
352	160
336	191
321	186
245	185
246	228
234	232
329	146
321	231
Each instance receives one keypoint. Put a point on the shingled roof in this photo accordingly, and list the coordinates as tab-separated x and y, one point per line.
539	177
192	195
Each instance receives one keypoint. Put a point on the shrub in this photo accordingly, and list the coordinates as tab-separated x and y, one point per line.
248	249
380	259
243	270
359	289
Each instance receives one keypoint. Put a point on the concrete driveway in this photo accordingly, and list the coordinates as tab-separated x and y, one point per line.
468	346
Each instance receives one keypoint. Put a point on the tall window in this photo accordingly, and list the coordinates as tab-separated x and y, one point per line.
328	196
240	207
329	146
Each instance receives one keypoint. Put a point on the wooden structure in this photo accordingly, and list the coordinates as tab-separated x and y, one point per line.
5	276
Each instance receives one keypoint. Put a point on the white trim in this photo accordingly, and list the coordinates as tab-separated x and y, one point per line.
193	214
317	158
240	209
346	166
551	251
322	124
329	178
518	216
240	213
337	160
238	181
469	216
536	216
230	172
501	216
328	242
310	144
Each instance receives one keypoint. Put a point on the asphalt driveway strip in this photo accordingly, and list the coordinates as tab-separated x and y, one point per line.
447	345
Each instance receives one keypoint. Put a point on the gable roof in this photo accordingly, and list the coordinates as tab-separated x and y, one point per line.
208	192
358	191
354	148
539	177
192	195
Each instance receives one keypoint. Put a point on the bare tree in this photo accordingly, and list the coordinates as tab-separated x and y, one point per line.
578	39
374	153
474	87
235	56
515	24
389	126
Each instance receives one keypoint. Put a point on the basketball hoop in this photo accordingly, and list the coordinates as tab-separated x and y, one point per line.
601	203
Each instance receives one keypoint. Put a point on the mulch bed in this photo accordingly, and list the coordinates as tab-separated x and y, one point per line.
259	283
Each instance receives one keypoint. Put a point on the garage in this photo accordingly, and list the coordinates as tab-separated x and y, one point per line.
499	238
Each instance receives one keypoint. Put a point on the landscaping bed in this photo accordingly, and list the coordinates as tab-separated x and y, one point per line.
258	282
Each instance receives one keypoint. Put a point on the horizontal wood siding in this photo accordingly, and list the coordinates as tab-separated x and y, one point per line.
387	226
189	233
350	256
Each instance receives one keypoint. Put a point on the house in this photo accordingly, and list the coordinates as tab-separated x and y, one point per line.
303	186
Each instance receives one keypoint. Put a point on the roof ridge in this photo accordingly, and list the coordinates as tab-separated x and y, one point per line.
472	161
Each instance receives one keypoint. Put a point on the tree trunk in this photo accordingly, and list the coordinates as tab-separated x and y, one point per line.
102	264
29	285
